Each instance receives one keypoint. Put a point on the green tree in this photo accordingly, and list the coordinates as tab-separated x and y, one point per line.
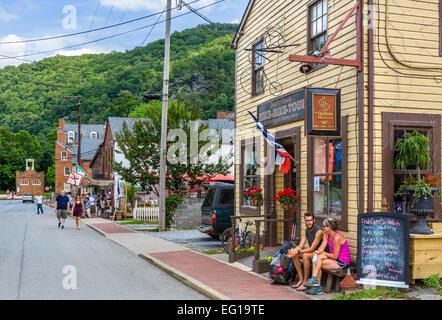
15	148
141	147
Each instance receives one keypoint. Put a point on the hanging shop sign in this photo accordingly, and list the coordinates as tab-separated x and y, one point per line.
323	112
287	108
75	179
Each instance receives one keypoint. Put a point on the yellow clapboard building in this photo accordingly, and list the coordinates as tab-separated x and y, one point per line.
384	57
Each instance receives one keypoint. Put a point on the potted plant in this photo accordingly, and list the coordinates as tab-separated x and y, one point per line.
413	149
238	254
262	265
119	215
287	198
255	196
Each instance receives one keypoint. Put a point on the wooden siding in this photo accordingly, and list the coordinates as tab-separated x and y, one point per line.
291	17
408	77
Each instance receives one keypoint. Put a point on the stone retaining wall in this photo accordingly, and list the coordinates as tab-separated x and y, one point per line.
188	213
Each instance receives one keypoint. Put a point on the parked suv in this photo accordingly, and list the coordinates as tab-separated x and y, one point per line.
217	209
28	197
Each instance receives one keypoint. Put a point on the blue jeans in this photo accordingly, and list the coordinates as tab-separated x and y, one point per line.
39	207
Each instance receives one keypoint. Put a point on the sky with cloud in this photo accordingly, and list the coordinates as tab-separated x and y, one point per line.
35	19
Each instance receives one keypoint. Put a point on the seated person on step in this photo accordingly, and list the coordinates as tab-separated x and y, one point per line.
313	235
337	259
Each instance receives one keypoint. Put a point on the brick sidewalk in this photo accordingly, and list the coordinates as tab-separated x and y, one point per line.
212	277
227	280
111	228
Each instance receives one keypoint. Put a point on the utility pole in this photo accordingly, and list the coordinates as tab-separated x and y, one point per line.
162	214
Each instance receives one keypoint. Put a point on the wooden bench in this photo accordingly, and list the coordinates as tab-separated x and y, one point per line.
336	276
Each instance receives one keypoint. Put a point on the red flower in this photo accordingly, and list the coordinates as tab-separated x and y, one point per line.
275	198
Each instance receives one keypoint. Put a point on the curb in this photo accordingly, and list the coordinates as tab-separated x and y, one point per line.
97	230
189	281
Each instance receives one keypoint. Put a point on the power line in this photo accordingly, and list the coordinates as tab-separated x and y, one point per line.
93	17
107	19
92	30
147	36
121	19
92	41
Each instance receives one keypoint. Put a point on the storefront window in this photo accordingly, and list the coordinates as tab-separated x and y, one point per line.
249	171
258	68
399	176
327	176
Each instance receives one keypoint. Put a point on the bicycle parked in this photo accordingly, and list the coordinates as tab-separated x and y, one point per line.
246	237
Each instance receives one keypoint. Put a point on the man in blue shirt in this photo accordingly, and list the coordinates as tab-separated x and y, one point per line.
62	207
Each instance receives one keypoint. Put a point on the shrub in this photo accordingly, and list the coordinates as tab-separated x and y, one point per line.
172	202
432	282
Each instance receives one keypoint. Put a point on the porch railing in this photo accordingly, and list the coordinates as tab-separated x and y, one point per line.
258	223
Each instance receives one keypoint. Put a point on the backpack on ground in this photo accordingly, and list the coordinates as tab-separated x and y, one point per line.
282	271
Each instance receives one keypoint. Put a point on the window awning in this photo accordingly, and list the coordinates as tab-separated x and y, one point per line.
100	183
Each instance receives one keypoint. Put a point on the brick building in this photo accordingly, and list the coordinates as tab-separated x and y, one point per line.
30	181
66	149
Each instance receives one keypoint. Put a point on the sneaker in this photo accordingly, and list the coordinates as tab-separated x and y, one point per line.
59	224
312	282
315	290
62	227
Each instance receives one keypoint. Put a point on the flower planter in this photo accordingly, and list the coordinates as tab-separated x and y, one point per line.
288	206
423	207
235	256
256	202
261	266
118	216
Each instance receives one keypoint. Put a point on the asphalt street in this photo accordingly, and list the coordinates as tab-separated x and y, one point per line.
40	261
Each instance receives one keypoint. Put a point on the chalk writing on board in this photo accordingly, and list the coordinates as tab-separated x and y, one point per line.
383	249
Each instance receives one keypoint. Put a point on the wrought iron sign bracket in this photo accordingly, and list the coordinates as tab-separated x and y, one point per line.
324	57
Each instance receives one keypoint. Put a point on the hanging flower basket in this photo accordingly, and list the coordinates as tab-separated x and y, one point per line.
288	206
287	198
256	202
255	196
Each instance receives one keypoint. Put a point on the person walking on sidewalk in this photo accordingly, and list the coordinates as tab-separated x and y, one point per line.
39	203
77	210
337	259
61	208
87	206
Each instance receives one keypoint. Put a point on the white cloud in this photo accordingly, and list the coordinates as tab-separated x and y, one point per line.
19	49
9	50
6	17
156	6
78	52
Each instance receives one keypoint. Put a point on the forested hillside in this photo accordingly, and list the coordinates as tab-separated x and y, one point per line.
202	72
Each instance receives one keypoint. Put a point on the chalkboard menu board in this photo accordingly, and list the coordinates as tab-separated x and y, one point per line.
383	249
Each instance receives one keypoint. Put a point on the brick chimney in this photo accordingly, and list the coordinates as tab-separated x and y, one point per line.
61	134
222	114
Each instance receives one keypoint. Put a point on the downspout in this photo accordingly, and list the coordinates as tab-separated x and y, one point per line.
370	108
361	115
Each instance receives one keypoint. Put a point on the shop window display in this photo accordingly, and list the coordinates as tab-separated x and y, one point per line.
249	172
327	176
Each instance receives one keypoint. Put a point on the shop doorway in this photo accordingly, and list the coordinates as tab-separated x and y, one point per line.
277	232
290	182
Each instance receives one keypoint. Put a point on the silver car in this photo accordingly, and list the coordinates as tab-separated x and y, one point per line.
28	197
